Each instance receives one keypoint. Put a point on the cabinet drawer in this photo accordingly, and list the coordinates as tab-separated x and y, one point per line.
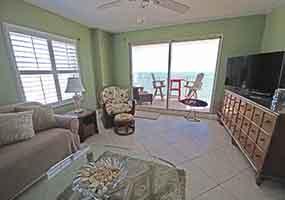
263	140
245	125
268	123
258	157
249	147
242	139
232	127
248	110
242	107
239	121
253	132
236	133
257	116
236	105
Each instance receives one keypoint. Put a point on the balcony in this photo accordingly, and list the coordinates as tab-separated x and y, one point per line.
144	80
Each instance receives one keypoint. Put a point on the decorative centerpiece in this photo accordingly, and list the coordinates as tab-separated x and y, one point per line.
99	179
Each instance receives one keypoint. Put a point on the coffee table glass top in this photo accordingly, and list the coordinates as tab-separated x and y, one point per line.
148	178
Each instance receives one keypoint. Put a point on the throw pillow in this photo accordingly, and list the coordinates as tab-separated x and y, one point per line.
16	127
43	116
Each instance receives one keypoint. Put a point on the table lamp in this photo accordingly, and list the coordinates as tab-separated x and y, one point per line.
75	86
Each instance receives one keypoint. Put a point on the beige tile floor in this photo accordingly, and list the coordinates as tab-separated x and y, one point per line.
172	104
218	170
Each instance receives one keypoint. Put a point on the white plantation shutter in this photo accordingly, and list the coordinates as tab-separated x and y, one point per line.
39	88
65	56
66	64
43	65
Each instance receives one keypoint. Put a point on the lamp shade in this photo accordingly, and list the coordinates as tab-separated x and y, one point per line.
74	85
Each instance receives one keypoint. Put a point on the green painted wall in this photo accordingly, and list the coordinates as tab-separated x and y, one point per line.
102	57
240	36
274	33
20	13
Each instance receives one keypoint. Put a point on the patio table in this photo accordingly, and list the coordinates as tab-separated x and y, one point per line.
178	88
193	103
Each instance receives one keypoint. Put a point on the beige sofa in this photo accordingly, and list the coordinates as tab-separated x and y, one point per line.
23	163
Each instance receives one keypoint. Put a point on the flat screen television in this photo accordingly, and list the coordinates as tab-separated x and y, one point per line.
261	73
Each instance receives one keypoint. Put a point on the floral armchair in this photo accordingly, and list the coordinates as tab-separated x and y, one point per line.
115	100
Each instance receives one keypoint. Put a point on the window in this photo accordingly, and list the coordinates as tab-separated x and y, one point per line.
43	64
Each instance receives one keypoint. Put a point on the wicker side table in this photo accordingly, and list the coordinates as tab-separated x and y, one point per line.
124	124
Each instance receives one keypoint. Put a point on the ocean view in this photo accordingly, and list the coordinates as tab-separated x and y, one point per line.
145	79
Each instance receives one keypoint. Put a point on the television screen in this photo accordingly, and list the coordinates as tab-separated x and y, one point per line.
236	71
259	73
264	72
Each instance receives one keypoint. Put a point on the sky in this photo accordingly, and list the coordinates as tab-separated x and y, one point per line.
189	56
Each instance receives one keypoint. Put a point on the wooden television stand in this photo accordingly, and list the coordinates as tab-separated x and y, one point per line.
258	132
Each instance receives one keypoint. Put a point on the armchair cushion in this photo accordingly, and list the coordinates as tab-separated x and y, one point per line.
115	95
116	108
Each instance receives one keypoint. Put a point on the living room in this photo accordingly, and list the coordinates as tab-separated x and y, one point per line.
59	59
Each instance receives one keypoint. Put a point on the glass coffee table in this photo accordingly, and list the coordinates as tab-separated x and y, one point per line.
148	178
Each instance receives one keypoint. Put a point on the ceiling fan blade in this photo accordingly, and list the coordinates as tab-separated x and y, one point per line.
172	5
110	4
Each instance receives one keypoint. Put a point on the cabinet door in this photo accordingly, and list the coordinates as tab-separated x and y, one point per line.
257	116
239	120
249	147
258	157
236	133
249	110
253	132
263	140
242	139
245	125
268	123
242	107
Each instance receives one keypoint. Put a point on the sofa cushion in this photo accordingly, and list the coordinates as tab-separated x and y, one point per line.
15	127
43	116
22	163
113	109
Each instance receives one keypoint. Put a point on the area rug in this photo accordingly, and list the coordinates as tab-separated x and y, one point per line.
147	115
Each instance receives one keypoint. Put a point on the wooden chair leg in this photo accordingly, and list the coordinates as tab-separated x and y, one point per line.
161	95
155	92
195	94
189	92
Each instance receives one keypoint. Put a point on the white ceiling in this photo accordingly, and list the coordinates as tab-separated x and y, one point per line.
124	17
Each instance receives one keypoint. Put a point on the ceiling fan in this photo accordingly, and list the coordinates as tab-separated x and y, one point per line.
168	4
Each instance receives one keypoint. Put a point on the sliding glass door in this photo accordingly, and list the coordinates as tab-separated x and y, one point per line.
193	67
188	66
149	74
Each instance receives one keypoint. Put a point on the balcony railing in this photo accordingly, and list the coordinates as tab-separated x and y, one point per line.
144	79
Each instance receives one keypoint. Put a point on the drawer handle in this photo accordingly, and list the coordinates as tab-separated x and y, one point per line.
248	109
257	115
253	131
242	137
262	139
245	124
268	121
257	156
